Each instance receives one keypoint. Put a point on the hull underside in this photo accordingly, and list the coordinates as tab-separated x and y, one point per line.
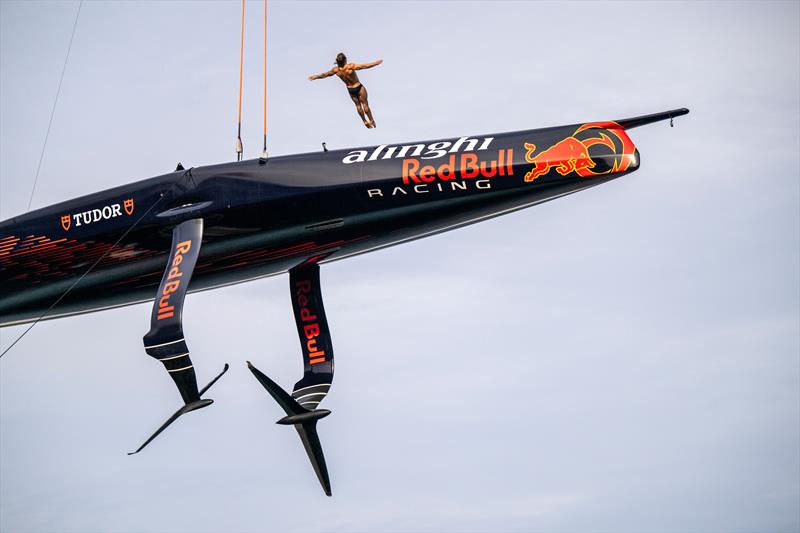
265	254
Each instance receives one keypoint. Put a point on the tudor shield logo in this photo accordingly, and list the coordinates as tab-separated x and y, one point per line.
100	214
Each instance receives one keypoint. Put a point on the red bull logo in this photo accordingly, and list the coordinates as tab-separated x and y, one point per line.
165	309
311	330
573	153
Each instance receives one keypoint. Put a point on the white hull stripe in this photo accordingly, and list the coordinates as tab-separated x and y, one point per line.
179	369
175	356
164	344
298	398
313	387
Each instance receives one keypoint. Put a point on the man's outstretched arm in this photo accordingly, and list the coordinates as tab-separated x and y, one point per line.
368	65
320	76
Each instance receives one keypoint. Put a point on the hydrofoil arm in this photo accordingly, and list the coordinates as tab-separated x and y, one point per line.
165	341
312	328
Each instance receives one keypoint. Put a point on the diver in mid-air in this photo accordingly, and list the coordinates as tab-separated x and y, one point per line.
358	93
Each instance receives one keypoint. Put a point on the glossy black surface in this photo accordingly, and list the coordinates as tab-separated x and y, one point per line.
263	218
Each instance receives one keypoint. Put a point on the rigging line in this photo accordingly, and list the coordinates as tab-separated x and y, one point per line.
64	294
55	103
239	147
265	79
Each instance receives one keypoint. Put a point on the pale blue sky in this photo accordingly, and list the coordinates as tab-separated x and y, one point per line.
624	359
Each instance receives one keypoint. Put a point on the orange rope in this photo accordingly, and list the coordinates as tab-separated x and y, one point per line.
239	147
265	76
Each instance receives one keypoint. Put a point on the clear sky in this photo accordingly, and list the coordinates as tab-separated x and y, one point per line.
623	359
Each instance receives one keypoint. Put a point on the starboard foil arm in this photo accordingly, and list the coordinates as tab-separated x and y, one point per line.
315	339
314	335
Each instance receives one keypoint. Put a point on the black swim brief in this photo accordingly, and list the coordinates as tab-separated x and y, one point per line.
354	91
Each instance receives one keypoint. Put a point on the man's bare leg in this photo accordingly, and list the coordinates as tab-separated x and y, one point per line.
362	98
360	111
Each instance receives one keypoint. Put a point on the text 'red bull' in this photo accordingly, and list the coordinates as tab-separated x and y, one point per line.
312	330
165	310
469	168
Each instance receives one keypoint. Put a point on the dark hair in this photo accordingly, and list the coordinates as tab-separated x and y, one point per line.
341	59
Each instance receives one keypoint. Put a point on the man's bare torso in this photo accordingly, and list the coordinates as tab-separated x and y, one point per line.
347	74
